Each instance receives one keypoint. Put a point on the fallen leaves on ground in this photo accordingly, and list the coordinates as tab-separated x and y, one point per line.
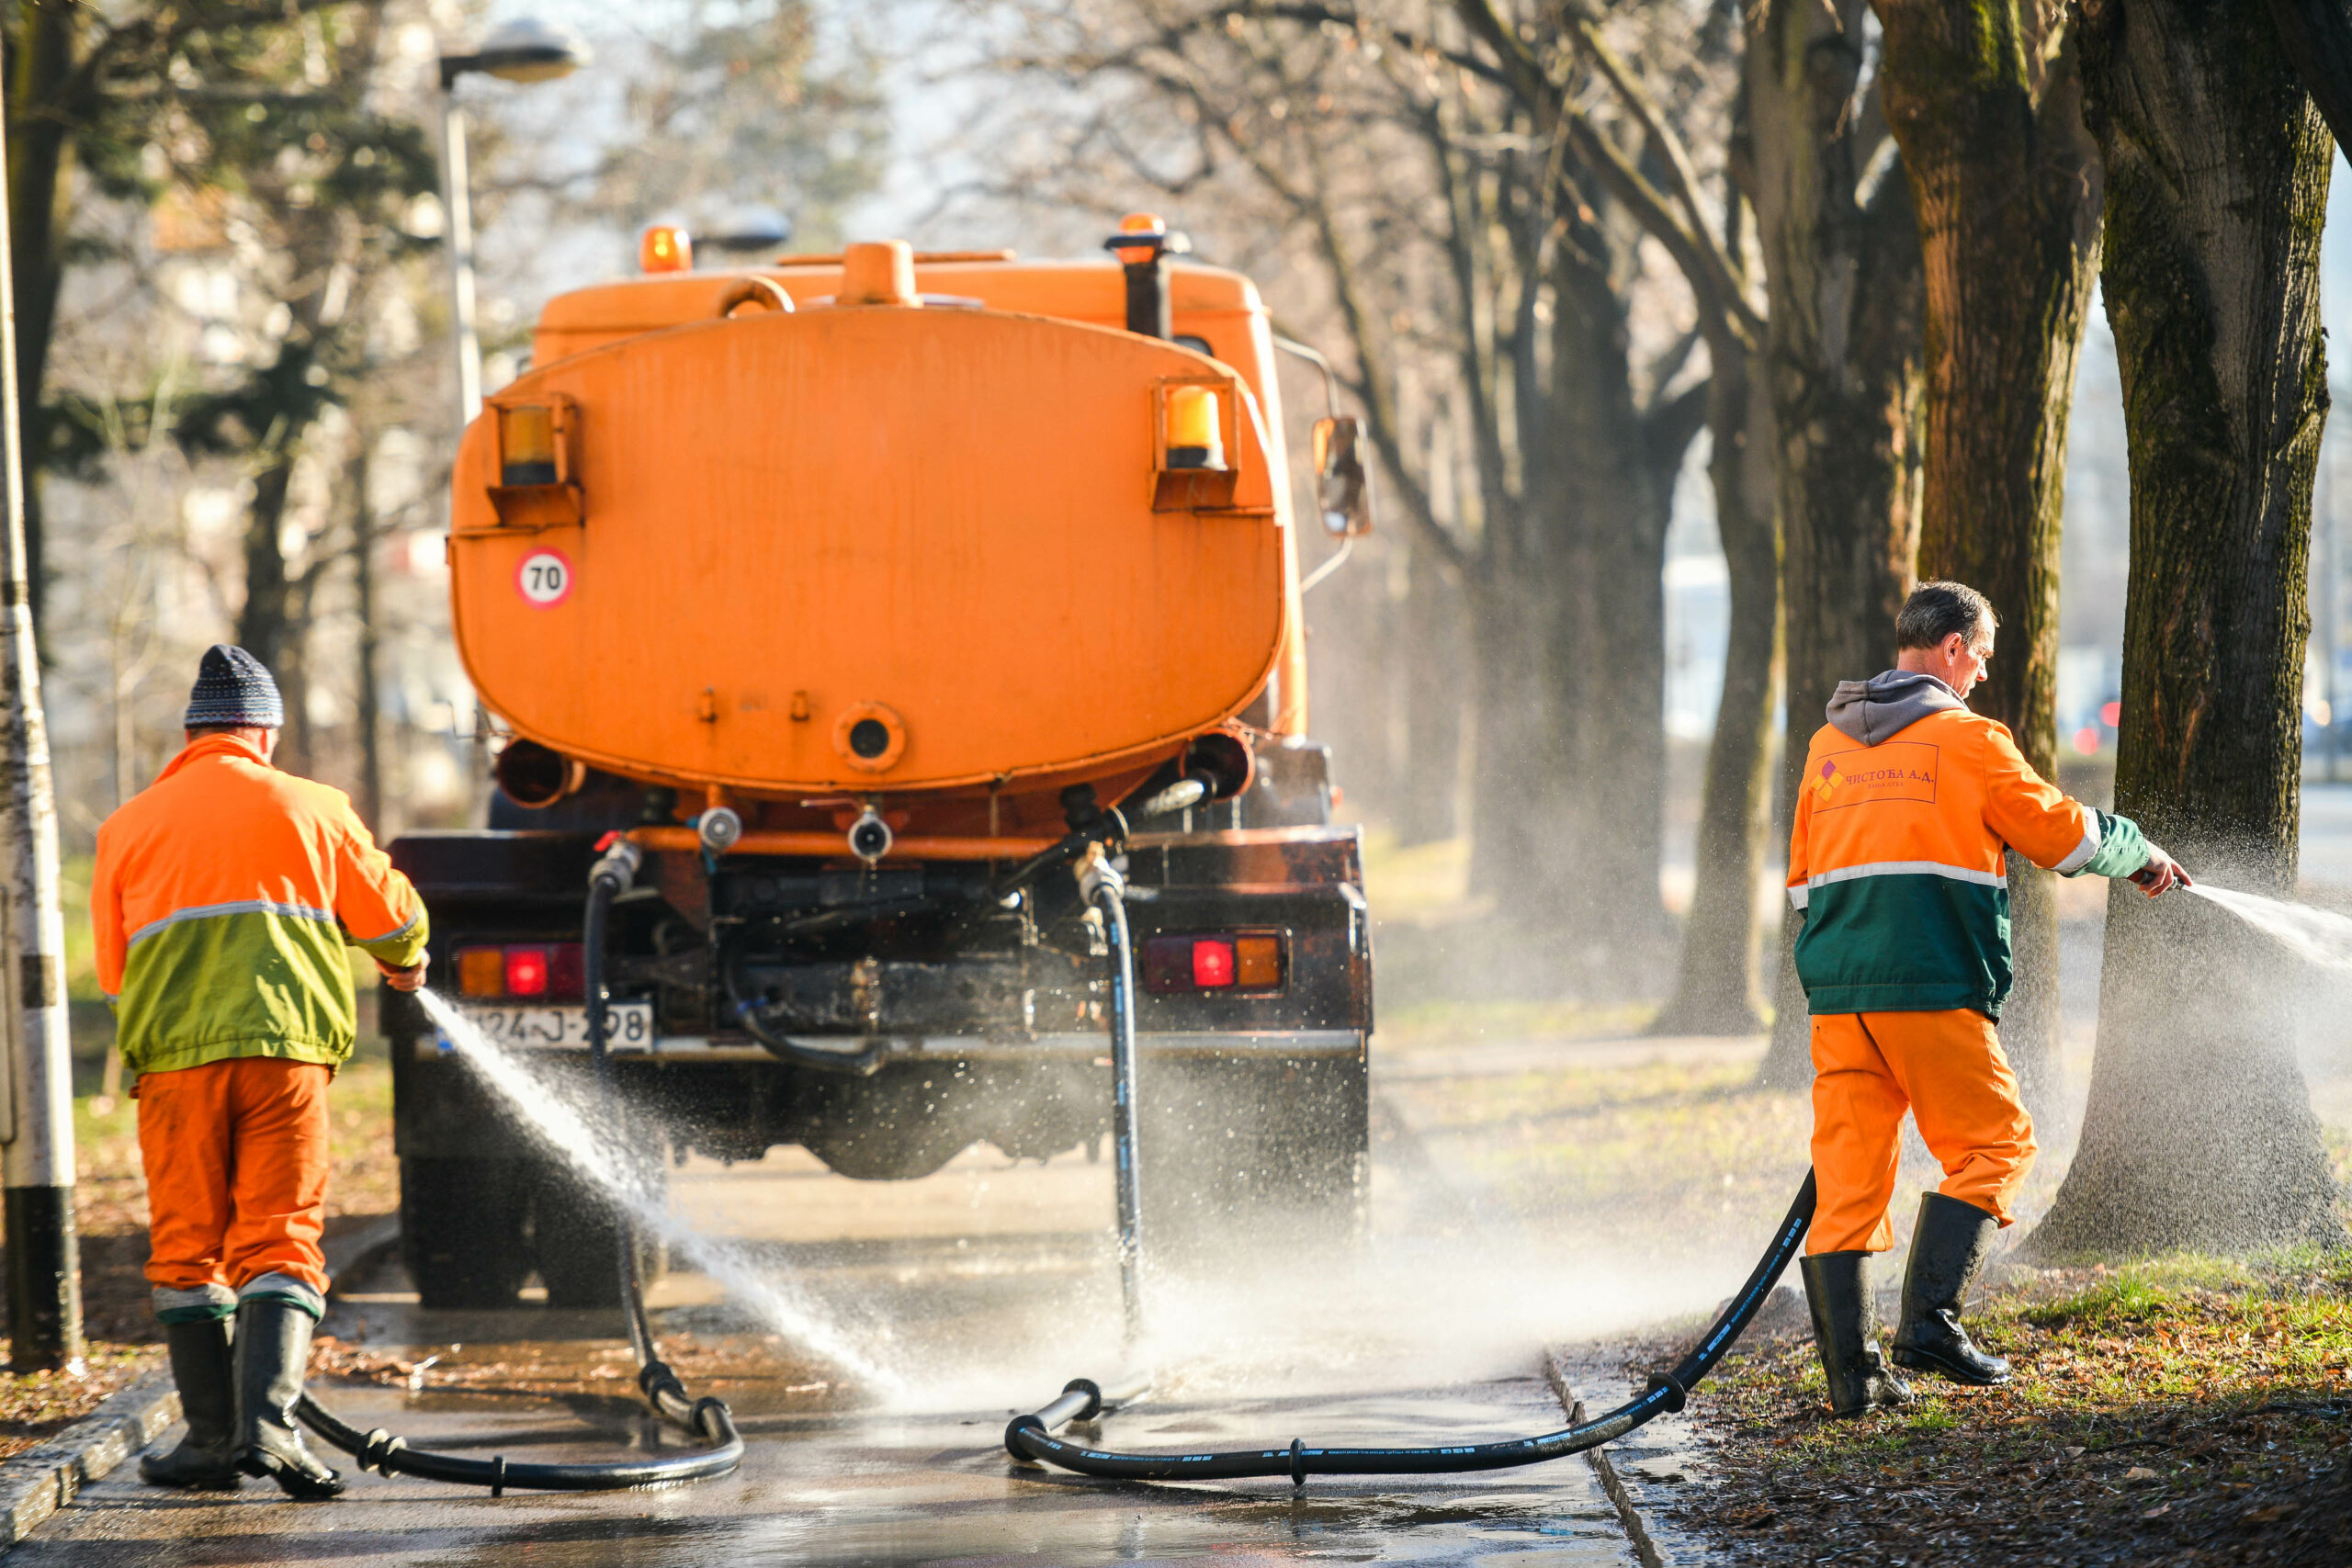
2185	1412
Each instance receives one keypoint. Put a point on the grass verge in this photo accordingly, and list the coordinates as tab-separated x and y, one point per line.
2179	1411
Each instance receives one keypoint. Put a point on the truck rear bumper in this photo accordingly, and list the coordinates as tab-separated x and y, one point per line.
690	1050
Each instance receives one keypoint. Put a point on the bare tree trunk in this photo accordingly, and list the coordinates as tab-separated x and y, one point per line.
1428	774
273	622
2199	1130
1715	986
1568	826
2006	184
1843	357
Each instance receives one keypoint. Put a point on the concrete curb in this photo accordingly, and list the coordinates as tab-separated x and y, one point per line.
36	1483
1555	1373
39	1482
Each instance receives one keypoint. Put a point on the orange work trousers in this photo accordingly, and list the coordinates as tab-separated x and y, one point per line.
1947	1070
237	1158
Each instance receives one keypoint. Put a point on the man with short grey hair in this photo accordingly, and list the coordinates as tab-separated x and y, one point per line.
1907	806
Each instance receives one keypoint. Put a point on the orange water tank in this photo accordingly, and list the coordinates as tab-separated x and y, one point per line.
812	547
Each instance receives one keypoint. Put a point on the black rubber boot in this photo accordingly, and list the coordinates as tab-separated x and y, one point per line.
273	1354
1845	1330
1947	1250
206	1460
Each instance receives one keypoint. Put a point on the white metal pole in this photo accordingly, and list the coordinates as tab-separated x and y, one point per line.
458	208
43	1256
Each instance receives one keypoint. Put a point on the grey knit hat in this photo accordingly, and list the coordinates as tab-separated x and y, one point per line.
234	690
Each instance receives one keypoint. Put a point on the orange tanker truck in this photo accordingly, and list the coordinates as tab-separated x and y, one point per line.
863	609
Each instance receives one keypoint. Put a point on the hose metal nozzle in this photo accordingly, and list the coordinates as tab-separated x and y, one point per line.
617	868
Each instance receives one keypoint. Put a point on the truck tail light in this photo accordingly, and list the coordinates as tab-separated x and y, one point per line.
543	971
527	971
1213	961
481	970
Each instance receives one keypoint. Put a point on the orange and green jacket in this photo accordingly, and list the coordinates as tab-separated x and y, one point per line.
225	895
1896	867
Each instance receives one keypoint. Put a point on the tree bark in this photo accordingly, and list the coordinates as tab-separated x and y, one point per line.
2199	1130
2317	38
2006	184
1716	984
1843	361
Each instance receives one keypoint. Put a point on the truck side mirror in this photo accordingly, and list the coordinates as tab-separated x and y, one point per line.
1343	487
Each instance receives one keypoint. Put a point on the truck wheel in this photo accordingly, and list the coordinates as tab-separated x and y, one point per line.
1253	1152
577	1230
461	1230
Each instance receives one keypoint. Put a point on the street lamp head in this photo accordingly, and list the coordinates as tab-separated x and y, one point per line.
750	229
522	50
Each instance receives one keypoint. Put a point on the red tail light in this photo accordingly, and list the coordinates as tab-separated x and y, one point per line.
1247	963
527	971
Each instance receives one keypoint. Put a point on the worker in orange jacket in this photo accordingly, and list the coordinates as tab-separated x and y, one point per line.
225	897
1904	809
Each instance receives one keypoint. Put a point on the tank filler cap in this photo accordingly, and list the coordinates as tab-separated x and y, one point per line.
879	274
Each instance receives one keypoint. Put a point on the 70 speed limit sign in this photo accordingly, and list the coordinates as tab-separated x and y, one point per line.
544	579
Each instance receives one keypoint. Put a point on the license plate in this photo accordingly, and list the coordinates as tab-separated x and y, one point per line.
628	1026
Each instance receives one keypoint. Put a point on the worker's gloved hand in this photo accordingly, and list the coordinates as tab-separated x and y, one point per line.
2161	874
409	980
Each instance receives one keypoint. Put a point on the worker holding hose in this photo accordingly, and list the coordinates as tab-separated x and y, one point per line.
1906	807
225	897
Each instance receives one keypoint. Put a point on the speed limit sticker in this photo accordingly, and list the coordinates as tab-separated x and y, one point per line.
544	579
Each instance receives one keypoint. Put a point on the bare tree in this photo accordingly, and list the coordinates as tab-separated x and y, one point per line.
1987	103
2200	1132
1842	265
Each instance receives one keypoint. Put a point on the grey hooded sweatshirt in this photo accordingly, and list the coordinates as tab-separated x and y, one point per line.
1883	707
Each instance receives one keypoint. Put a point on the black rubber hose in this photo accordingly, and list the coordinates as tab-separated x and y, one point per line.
1029	1438
709	1420
1108	893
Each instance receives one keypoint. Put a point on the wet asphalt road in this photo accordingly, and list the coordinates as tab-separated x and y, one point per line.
983	1288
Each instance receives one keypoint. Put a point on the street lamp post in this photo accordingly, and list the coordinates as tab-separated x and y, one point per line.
519	50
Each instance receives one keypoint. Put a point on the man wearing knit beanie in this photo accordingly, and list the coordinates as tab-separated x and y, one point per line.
225	895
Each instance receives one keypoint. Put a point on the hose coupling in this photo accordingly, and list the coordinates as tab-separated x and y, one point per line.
711	1420
1677	1396
1097	876
617	868
869	836
719	828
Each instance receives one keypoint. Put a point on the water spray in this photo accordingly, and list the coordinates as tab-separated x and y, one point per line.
1030	1436
707	1419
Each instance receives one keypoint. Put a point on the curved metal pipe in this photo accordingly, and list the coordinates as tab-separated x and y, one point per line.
1031	1438
708	1419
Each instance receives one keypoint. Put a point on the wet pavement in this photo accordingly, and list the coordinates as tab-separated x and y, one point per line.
868	1489
982	1289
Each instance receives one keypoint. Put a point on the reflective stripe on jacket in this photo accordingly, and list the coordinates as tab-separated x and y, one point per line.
1895	865
225	895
